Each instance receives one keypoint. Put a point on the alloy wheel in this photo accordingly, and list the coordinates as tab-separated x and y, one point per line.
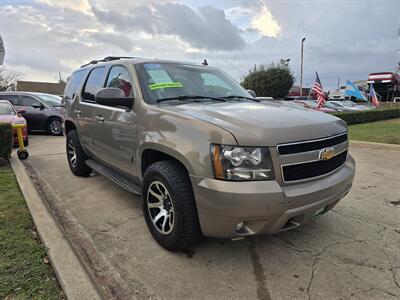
71	153
160	207
55	127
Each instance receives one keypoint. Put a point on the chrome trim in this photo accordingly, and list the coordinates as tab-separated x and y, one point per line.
95	105
296	158
309	141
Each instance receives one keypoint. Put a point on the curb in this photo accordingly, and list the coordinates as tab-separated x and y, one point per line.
73	278
106	279
373	145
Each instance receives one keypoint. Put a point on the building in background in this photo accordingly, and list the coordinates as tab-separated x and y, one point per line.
55	88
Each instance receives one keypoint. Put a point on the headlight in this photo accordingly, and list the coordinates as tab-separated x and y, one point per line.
241	163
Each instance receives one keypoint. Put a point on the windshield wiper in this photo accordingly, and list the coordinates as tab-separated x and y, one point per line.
186	97
239	97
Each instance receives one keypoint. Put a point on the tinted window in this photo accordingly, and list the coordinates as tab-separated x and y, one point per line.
118	77
12	98
6	109
93	83
50	100
29	101
74	82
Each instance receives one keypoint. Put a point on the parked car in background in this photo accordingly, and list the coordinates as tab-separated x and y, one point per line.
41	111
270	100
348	105
312	104
8	114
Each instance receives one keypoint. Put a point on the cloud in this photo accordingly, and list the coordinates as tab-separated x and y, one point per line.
206	28
43	37
266	23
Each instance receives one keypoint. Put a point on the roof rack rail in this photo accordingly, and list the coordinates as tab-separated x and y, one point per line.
108	58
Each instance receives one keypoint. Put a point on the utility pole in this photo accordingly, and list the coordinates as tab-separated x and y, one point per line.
301	67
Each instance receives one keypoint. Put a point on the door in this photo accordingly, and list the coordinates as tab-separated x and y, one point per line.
84	112
35	113
115	142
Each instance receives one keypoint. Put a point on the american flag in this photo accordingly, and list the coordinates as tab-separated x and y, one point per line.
317	87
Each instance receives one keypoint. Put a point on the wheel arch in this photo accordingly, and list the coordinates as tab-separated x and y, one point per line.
68	126
150	155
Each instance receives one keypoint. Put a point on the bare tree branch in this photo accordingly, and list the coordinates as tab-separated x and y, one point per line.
8	78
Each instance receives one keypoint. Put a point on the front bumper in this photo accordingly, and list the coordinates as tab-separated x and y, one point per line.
266	206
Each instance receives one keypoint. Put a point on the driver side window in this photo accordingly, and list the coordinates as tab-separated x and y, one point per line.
30	101
118	77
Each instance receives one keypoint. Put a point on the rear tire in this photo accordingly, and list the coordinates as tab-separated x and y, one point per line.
76	156
168	191
54	126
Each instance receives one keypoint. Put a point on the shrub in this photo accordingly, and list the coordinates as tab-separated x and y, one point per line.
369	115
6	140
269	81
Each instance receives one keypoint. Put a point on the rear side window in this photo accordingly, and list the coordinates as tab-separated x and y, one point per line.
29	101
12	98
118	77
74	82
93	84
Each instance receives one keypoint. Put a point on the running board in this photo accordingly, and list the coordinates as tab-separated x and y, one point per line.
113	176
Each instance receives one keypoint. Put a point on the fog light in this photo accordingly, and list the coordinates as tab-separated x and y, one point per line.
239	226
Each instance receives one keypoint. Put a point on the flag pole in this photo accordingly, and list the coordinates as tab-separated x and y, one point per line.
309	93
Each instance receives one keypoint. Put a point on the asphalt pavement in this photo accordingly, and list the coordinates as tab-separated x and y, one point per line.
351	252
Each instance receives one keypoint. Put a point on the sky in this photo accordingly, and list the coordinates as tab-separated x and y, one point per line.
346	39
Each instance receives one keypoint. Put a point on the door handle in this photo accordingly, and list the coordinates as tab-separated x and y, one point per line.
77	112
99	118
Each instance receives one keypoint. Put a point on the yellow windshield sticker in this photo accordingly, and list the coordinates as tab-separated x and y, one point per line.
163	85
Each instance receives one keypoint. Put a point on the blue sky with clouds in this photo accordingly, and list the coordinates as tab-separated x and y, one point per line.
346	39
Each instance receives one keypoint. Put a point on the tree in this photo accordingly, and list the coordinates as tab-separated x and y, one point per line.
8	78
274	80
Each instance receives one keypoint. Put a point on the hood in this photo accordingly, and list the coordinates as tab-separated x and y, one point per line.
257	124
11	119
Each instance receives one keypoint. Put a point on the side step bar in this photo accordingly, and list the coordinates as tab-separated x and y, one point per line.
113	176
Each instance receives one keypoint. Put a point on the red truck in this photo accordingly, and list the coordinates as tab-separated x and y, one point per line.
386	85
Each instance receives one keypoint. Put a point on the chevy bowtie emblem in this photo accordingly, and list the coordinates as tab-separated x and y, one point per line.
327	153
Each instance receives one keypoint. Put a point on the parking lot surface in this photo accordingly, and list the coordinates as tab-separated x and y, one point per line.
351	252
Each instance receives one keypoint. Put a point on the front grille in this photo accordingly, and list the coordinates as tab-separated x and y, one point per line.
311	145
313	169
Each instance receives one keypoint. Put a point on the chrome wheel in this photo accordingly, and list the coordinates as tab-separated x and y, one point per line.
55	127
160	207
71	153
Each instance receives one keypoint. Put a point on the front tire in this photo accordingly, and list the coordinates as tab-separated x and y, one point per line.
54	126
169	206
76	156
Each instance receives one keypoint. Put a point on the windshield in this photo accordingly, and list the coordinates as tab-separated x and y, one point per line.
6	109
169	80
50	100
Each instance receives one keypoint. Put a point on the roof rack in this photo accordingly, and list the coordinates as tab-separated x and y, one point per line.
108	58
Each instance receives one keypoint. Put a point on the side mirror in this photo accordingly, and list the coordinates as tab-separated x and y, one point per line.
252	93
39	106
21	111
113	97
